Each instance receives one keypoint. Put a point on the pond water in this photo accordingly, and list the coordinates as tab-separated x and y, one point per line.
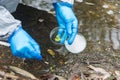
98	19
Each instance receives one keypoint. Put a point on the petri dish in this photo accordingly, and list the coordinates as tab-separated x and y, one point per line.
78	45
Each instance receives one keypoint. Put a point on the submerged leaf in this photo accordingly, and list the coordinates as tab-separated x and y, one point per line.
22	72
51	52
56	77
99	73
117	75
74	77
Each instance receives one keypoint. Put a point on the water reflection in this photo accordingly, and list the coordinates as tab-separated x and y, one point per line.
115	38
100	21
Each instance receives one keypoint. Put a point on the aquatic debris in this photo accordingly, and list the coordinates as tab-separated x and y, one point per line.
49	76
51	52
117	75
105	6
74	77
110	12
21	72
98	73
8	75
40	20
59	77
46	62
56	77
89	3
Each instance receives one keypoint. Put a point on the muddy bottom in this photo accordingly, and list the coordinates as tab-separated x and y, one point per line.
39	24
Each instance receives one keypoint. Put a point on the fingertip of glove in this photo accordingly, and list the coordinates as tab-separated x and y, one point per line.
40	57
70	42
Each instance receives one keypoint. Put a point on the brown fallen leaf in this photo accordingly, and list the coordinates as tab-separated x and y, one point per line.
117	75
59	77
94	77
99	73
50	76
21	72
8	75
74	77
51	52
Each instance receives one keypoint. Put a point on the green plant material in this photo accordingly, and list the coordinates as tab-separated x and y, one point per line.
57	38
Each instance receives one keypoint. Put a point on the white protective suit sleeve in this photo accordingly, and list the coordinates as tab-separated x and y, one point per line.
69	1
7	22
10	5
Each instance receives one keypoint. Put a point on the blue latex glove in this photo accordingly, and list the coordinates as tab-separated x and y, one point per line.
68	23
23	46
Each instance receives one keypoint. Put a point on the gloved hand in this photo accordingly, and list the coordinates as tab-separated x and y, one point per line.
23	46
68	23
